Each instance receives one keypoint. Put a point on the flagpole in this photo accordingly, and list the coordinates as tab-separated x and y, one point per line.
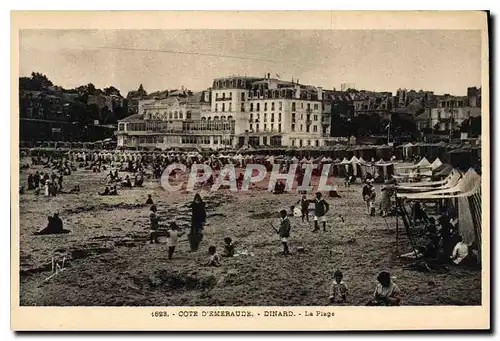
388	132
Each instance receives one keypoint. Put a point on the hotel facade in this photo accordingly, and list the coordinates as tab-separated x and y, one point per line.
234	112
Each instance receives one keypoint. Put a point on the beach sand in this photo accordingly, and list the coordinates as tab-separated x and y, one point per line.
109	261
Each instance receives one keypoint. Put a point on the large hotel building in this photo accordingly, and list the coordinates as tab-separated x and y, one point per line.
234	112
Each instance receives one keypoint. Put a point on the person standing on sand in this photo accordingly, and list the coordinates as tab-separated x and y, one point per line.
173	235
198	218
304	208
321	207
284	231
154	225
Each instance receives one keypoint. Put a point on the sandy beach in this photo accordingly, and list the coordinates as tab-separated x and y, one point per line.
109	261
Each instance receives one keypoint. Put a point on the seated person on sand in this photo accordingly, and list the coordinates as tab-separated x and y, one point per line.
54	226
228	247
113	190
139	179
460	251
150	200
75	189
126	182
338	289
279	188
105	192
214	259
386	293
430	250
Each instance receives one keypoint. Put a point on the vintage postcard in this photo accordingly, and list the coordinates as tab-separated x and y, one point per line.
258	171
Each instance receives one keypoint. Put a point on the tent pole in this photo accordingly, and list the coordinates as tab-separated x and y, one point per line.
397	230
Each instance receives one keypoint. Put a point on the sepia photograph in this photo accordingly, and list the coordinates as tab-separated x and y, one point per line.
264	174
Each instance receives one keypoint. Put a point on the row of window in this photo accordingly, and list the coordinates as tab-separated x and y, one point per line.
301	143
308	128
257	117
222	118
223	106
257	107
282	93
230	96
447	104
171	115
257	127
280	105
204	140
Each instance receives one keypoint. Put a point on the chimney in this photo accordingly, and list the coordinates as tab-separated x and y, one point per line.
268	75
297	91
320	93
298	81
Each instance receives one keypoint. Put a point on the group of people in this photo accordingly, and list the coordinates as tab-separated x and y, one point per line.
54	226
442	243
195	235
321	207
387	293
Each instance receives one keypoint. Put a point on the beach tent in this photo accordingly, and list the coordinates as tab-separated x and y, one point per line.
466	196
436	164
450	182
424	163
442	171
354	159
304	160
294	159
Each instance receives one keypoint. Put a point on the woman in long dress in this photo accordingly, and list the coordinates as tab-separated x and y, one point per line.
198	219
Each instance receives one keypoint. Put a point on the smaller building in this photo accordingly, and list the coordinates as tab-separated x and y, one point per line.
446	118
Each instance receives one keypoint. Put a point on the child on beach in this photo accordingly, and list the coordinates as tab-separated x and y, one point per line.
386	293
321	207
284	231
304	208
154	225
150	200
173	235
338	290
228	247
214	259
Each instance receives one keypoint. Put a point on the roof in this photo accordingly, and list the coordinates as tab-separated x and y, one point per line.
132	118
423	117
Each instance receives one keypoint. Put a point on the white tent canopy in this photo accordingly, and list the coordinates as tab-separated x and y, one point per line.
345	162
423	163
354	159
469	184
437	163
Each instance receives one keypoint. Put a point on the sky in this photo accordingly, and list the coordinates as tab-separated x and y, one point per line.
442	61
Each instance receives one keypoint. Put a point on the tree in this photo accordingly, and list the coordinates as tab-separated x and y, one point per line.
111	91
40	81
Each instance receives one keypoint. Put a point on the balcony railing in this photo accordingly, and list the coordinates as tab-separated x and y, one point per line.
308	122
223	99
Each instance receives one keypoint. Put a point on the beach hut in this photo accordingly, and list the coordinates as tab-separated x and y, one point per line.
407	150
